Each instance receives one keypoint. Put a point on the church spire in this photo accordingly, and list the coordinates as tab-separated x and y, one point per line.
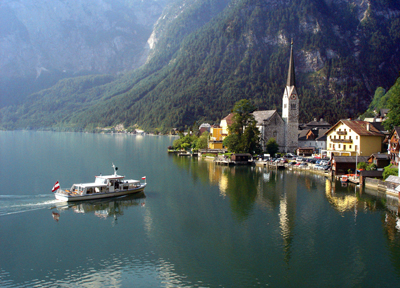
291	80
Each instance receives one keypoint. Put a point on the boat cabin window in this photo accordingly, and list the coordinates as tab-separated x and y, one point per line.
100	180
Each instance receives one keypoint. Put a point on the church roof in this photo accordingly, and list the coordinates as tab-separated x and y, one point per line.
261	116
291	80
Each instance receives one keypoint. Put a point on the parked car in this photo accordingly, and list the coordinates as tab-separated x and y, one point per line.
303	164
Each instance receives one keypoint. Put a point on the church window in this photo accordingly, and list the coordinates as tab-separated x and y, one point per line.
285	106
293	106
274	134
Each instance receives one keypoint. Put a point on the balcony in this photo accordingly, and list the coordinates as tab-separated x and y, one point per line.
342	141
341	132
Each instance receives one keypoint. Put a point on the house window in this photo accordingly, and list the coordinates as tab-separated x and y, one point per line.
356	137
349	146
344	147
355	147
350	137
330	145
338	146
333	146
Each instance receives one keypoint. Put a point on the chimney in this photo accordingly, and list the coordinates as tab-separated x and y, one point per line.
315	119
368	128
322	119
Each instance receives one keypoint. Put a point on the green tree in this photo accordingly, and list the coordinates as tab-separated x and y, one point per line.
251	139
390	170
272	147
242	117
244	135
202	141
232	142
394	106
362	165
371	167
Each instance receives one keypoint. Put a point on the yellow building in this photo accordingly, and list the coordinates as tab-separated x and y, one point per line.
216	138
225	123
351	138
218	133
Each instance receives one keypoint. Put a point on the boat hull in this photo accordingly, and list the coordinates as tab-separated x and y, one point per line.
69	198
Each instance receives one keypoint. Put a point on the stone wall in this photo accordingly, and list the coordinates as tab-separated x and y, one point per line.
275	128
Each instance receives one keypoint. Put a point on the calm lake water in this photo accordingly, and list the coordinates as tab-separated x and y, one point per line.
196	225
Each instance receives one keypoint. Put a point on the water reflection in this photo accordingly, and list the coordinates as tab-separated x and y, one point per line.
102	208
289	209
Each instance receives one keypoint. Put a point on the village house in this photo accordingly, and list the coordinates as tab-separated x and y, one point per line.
204	127
353	137
216	138
225	123
321	124
380	116
312	138
380	160
342	164
393	147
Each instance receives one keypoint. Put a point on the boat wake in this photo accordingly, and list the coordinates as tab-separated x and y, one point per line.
14	204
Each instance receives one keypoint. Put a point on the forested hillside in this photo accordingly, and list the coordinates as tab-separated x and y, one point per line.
208	54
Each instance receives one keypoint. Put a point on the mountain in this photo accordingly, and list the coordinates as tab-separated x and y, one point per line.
206	54
44	41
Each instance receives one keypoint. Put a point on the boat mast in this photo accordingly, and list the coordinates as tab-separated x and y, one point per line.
115	169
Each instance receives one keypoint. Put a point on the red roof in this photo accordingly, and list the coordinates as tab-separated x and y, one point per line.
229	119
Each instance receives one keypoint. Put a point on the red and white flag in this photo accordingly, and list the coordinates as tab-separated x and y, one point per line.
144	178
56	187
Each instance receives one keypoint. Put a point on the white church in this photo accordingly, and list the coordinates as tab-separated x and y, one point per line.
284	129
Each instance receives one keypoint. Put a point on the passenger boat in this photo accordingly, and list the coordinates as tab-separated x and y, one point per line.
344	178
103	187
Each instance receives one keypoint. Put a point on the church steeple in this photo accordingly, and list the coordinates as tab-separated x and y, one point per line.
291	80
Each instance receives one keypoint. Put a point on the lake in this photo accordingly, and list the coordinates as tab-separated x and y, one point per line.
196	224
